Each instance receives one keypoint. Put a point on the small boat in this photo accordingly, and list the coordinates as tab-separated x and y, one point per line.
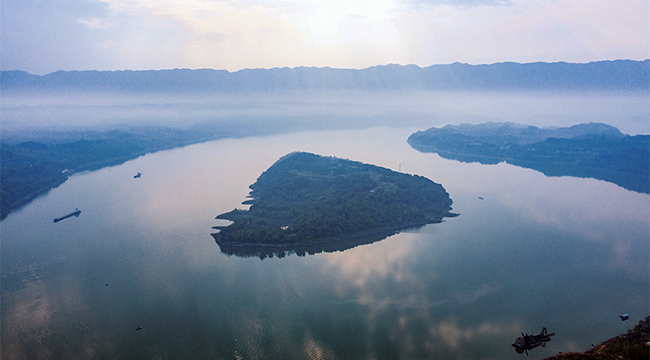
76	212
624	316
528	342
138	328
137	176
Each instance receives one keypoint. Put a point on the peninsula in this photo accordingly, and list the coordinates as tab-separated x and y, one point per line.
591	150
305	199
35	162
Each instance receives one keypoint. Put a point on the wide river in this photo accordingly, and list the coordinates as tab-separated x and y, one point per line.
527	251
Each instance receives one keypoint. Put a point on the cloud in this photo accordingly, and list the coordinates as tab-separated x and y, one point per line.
546	30
42	36
453	335
37	32
457	3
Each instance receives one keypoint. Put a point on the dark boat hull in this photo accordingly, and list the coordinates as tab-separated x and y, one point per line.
74	213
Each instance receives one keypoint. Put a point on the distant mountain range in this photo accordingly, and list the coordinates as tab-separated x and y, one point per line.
600	75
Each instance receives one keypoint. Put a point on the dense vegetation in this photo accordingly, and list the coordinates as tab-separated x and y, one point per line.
587	150
630	346
31	168
307	198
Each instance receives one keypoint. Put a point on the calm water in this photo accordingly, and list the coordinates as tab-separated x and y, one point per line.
565	253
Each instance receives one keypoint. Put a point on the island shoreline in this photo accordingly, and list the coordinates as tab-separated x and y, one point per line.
328	240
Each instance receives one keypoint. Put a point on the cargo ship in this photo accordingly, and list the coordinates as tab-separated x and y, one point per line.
76	212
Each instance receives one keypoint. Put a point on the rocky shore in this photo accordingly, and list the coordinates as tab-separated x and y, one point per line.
633	345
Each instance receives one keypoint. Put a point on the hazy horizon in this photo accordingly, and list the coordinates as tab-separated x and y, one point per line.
559	61
294	111
43	37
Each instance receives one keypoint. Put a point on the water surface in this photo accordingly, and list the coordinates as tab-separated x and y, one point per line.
565	253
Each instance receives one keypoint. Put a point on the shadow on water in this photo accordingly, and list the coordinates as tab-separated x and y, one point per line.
335	245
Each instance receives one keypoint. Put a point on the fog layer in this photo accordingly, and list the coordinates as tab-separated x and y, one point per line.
295	111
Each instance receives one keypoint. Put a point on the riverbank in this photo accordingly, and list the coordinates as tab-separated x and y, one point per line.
30	168
591	150
633	345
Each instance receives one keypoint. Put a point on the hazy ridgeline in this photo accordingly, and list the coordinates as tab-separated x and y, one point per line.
264	101
599	75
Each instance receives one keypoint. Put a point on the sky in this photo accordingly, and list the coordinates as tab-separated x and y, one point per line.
43	36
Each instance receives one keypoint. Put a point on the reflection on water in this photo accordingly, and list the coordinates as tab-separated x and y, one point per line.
264	252
563	253
567	167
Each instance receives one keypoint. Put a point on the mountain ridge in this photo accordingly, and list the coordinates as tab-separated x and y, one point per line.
598	75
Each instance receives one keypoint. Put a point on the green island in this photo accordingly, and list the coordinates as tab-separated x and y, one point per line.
591	150
305	199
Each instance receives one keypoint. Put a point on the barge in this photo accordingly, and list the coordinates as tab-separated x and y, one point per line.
76	213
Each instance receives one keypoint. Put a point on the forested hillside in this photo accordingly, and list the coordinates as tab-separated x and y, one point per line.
305	197
596	151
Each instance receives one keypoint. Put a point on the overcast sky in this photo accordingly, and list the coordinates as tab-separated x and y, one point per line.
43	36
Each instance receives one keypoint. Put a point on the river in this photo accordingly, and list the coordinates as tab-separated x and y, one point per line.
527	251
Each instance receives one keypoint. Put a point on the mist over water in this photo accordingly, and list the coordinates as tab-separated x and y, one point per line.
312	110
